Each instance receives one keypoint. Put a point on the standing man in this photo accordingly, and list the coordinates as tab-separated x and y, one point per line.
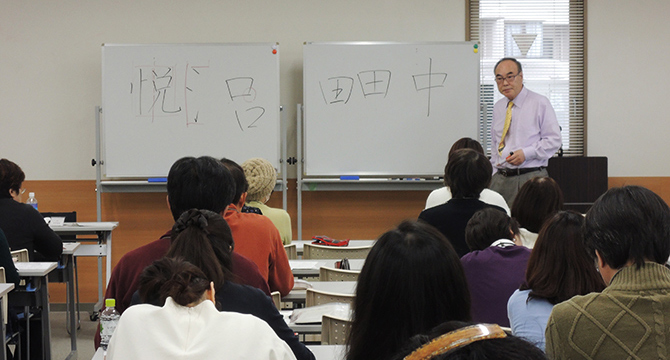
524	132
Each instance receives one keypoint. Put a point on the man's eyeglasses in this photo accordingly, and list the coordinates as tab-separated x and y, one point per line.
509	78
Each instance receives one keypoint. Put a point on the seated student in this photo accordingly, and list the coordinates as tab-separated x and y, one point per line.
627	229
188	325
203	238
257	238
455	340
443	194
202	183
24	227
538	200
241	187
558	269
262	177
467	173
496	265
410	282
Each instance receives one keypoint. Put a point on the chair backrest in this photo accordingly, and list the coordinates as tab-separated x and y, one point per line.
276	299
332	274
3	279
291	251
311	251
315	297
70	216
334	330
20	255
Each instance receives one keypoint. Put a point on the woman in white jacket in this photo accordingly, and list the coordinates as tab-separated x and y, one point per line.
189	326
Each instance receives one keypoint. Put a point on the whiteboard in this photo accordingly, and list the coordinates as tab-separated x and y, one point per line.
162	102
384	109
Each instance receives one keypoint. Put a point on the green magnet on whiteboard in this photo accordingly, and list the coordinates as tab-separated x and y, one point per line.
476	46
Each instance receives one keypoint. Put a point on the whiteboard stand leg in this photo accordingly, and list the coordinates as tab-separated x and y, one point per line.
299	124
284	157
97	163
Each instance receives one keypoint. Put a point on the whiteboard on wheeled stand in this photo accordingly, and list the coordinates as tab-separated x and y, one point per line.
162	102
384	109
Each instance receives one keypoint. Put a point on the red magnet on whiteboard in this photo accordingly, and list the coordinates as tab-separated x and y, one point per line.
274	51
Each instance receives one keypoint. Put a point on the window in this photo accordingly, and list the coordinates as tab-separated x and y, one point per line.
547	37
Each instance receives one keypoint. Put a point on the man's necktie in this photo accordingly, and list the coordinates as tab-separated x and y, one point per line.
508	120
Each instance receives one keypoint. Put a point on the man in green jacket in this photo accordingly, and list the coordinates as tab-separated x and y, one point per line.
628	230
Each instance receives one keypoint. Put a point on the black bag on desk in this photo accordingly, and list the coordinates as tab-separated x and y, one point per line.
343	264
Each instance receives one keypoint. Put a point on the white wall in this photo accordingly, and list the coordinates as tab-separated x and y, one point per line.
50	77
50	65
628	81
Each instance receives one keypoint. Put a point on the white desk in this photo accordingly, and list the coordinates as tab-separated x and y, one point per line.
338	287
299	244
327	352
4	289
36	273
103	231
305	268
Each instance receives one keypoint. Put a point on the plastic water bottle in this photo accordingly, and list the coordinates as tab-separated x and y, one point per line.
109	318
31	200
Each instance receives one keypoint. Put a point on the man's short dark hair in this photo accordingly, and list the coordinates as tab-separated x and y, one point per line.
518	64
467	173
629	223
241	184
199	183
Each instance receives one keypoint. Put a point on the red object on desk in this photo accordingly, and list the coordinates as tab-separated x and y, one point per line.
325	240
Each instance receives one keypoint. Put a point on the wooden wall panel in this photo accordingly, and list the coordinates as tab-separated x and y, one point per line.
358	214
143	217
659	185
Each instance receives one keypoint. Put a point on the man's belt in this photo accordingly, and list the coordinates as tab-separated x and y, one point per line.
506	172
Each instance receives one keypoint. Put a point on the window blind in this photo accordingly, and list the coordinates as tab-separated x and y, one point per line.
547	37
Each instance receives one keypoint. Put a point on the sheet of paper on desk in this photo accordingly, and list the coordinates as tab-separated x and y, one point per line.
303	264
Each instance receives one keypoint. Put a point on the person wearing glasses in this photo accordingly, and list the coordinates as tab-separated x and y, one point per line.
524	132
24	227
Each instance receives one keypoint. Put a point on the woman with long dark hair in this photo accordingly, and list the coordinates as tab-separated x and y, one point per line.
411	281
203	238
538	200
559	268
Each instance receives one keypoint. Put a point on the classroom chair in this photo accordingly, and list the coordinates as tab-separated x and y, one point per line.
14	337
311	251
332	274
276	299
334	330
291	251
315	297
20	255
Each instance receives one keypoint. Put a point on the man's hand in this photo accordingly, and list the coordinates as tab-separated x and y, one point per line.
516	158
